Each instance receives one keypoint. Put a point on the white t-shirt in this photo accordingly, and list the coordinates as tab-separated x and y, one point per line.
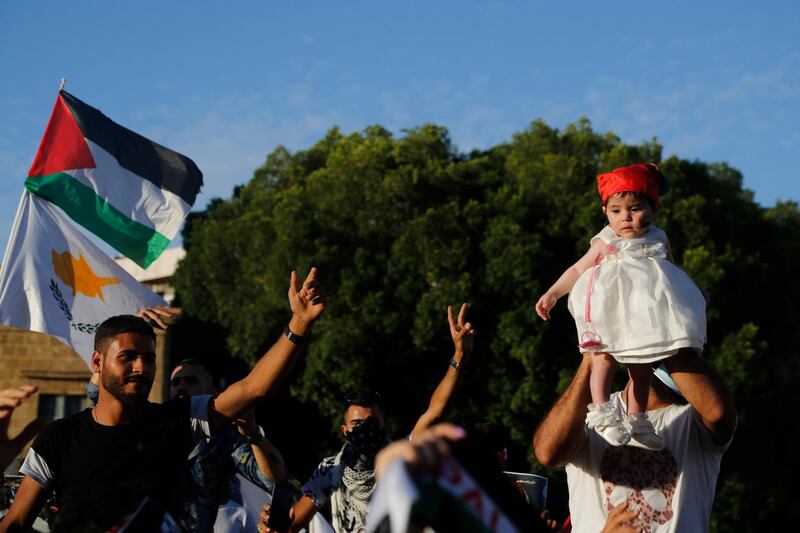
673	489
234	518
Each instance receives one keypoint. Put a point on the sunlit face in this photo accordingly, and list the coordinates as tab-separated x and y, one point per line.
189	380
356	414
628	215
128	367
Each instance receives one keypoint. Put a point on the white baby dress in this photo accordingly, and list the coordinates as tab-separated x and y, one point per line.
642	306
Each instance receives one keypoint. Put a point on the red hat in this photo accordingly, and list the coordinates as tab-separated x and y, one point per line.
644	178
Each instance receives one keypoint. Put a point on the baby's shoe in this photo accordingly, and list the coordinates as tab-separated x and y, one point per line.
642	432
606	420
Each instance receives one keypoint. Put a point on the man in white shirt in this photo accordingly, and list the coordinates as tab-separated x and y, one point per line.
672	490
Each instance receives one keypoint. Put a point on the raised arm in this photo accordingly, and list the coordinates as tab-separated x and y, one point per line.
270	461
567	280
267	457
463	336
160	316
307	302
561	435
10	399
703	388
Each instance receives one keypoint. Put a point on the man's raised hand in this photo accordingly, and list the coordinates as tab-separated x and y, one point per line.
159	316
307	301
10	399
462	332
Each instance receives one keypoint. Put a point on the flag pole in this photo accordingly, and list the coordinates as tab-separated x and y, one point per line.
63	83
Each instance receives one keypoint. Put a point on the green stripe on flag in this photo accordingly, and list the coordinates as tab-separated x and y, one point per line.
134	240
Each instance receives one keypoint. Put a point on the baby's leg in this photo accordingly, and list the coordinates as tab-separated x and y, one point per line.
603	366
640	375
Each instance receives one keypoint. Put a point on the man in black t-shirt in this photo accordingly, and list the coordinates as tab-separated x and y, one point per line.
103	461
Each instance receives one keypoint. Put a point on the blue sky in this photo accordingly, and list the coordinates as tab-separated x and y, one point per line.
227	82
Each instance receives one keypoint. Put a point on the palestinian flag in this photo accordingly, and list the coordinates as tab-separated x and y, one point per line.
129	191
450	500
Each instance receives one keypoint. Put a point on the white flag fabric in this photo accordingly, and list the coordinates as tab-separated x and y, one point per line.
401	500
55	281
253	498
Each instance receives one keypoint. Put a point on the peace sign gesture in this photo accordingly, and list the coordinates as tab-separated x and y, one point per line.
463	333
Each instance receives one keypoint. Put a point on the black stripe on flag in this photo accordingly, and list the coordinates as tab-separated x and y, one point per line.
165	168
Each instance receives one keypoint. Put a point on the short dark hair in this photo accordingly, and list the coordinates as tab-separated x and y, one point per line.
117	325
362	398
193	361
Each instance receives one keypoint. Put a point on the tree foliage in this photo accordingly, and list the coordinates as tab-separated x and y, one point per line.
401	227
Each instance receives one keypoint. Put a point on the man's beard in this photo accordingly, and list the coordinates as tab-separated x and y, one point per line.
116	387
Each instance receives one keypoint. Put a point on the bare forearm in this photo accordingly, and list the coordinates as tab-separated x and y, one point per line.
302	514
565	283
705	391
561	434
265	377
12	524
567	280
447	387
271	369
442	395
28	501
270	461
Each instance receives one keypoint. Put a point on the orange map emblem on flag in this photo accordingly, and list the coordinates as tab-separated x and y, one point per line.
79	275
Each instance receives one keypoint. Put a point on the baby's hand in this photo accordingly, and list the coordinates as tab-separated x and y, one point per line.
545	304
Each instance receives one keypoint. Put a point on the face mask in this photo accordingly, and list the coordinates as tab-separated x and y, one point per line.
368	437
92	392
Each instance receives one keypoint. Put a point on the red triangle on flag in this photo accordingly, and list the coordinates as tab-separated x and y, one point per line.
63	146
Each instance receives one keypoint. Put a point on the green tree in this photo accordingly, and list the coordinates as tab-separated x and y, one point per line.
401	227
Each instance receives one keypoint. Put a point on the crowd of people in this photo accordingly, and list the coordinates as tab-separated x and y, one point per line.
645	458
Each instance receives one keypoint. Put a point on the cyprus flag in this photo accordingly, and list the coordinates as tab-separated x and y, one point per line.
55	281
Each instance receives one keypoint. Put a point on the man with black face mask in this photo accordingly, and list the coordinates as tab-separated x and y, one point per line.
348	478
